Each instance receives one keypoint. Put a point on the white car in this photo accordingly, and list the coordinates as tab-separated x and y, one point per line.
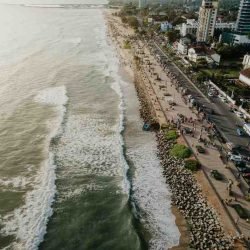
236	158
223	99
210	94
239	114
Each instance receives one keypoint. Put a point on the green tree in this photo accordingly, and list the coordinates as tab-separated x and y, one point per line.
172	36
133	22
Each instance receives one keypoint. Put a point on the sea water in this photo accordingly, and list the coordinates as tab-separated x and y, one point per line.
76	170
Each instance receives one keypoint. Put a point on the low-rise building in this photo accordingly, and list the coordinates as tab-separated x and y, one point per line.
246	61
245	76
182	46
202	52
190	27
166	26
196	53
219	25
234	38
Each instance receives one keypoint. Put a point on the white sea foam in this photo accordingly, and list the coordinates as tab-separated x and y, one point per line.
57	98
111	69
19	182
89	146
152	196
28	223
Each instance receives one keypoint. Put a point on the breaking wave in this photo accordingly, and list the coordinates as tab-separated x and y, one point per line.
28	223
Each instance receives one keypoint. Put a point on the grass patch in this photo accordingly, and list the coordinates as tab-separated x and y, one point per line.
241	211
171	135
217	175
127	45
192	165
180	151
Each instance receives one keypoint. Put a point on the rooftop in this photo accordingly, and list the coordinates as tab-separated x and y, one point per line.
246	72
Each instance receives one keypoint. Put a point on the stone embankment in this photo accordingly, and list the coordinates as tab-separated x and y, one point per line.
146	109
205	229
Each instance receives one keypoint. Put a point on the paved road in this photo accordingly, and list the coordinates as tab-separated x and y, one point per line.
224	120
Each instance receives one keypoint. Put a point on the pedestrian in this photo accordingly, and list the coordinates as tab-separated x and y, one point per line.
237	220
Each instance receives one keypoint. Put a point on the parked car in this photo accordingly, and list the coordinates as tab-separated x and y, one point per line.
242	167
246	175
240	131
233	109
234	156
210	94
239	114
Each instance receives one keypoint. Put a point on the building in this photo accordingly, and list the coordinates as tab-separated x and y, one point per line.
234	38
202	52
196	53
190	27
225	25
166	26
142	4
182	46
207	19
243	20
245	76
246	61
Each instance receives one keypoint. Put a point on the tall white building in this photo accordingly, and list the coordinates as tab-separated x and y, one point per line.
142	4
207	19
190	27
246	61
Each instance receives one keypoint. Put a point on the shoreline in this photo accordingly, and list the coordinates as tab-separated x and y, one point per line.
126	64
205	225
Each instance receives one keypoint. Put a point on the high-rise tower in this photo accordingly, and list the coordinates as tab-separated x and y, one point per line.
207	19
243	20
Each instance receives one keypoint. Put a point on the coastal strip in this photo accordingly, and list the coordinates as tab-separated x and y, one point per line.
206	231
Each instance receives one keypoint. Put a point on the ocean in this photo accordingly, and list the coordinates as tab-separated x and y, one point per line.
76	169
